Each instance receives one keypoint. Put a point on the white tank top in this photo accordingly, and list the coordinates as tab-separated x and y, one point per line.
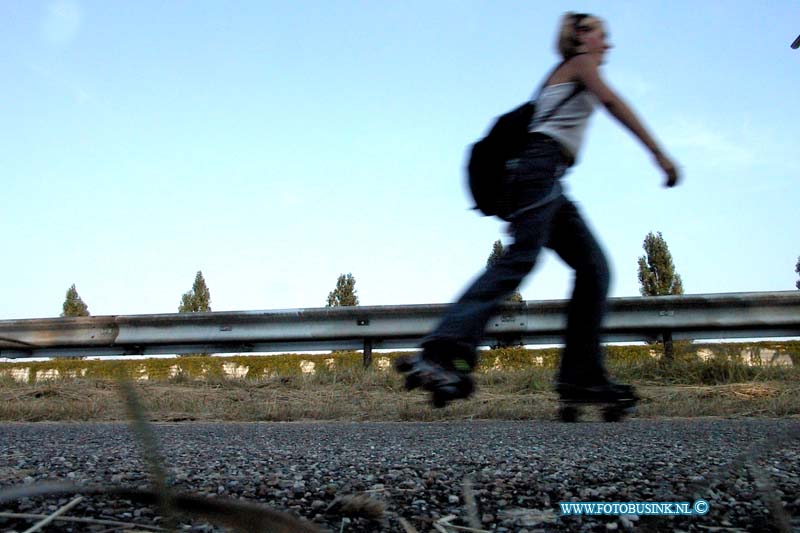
568	124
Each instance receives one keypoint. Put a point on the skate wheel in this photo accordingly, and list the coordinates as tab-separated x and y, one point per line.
441	396
568	413
467	386
404	364
439	401
613	414
413	381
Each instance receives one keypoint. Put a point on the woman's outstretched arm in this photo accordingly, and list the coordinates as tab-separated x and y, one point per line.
586	72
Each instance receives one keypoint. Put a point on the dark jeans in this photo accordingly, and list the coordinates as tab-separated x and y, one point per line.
545	217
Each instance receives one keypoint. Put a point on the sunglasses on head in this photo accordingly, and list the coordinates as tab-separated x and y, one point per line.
578	19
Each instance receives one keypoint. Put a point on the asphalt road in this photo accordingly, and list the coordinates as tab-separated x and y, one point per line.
747	470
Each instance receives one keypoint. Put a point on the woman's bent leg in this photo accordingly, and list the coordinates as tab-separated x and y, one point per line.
463	326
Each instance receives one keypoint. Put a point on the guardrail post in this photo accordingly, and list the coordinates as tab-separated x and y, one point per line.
669	349
367	353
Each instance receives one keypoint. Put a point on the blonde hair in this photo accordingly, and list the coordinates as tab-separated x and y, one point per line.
567	43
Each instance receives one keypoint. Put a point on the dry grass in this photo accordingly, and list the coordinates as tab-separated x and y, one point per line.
368	395
280	391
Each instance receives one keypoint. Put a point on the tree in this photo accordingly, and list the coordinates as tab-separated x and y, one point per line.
797	269
494	257
515	297
657	276
73	305
198	299
345	292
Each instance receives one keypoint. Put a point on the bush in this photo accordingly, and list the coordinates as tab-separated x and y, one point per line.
526	369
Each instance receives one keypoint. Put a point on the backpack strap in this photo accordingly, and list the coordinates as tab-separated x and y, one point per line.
578	88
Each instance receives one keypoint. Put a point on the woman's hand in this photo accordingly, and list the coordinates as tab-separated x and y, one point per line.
670	171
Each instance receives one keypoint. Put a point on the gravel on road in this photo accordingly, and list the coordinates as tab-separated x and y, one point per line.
748	470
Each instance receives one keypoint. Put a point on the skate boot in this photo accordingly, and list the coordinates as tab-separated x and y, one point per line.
616	400
445	381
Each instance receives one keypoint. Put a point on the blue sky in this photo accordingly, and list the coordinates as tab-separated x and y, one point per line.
276	145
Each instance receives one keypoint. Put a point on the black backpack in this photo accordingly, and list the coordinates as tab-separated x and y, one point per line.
486	169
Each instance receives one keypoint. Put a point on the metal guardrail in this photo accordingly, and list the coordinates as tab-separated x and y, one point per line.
706	316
